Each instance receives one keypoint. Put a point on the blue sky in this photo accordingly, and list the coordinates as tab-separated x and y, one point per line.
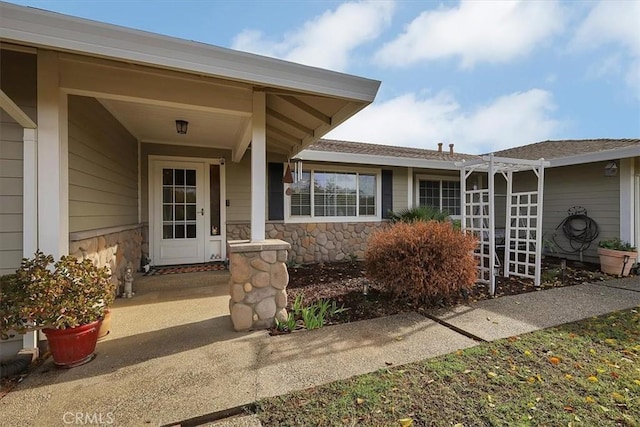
482	75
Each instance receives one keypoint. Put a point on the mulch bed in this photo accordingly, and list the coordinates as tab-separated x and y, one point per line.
344	282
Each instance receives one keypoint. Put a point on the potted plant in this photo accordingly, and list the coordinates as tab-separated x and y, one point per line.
67	301
616	257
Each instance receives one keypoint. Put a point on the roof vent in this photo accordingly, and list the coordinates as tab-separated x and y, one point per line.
439	147
450	148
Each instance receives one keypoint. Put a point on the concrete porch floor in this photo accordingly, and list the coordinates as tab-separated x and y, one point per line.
172	355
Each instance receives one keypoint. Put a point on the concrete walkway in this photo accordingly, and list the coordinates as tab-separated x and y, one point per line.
172	355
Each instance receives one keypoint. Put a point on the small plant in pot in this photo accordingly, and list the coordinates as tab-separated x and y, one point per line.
616	256
67	300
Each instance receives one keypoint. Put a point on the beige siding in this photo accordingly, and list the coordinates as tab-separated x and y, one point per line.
18	81
238	176
579	185
103	168
400	196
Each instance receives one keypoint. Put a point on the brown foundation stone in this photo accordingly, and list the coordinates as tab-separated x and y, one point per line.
316	242
258	283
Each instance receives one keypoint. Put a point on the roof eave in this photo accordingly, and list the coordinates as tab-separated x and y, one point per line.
370	159
39	28
599	156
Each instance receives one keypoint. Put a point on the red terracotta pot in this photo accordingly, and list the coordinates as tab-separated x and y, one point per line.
73	346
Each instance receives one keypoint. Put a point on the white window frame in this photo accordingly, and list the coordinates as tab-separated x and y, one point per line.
422	177
289	219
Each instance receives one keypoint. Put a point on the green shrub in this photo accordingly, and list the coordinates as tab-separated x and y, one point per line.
420	213
422	261
617	245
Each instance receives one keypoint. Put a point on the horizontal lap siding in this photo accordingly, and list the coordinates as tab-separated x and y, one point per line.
17	80
103	168
238	176
580	185
400	188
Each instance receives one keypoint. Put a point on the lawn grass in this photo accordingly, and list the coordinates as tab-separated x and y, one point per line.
584	373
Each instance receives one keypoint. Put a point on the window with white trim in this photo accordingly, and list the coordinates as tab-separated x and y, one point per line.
327	193
441	194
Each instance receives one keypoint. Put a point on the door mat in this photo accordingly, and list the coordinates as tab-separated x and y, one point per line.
175	269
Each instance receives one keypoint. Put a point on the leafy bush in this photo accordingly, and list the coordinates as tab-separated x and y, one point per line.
420	213
422	261
71	294
617	245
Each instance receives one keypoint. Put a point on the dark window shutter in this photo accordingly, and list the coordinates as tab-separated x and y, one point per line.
387	193
276	191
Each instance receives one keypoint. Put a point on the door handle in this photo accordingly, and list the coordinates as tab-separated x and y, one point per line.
202	211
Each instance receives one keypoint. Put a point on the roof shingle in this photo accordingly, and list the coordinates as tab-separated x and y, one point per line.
337	146
549	150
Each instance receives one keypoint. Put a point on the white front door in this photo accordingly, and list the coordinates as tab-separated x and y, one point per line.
178	212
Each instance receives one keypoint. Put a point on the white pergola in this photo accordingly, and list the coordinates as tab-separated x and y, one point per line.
523	224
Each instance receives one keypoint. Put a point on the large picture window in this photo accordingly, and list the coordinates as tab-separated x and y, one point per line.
334	194
441	194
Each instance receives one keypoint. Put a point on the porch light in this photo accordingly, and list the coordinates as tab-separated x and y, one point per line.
181	126
611	169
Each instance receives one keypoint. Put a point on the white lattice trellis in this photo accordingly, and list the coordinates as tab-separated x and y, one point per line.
476	216
523	227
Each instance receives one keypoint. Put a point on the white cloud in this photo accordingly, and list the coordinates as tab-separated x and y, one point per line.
475	31
615	24
515	119
326	41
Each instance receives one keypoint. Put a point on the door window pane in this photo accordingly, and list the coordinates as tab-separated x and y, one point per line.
179	203
191	177
191	212
167	176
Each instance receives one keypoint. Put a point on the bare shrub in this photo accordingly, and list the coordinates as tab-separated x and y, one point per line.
422	261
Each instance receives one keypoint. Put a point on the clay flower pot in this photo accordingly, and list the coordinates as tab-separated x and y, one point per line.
613	261
73	346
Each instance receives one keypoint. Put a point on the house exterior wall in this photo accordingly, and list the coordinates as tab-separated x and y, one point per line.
316	242
238	176
578	185
400	195
18	81
103	168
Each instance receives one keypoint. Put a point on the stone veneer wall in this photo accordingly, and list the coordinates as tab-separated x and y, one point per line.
316	242
258	283
116	250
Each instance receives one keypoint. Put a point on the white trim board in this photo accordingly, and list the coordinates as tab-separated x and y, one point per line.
37	27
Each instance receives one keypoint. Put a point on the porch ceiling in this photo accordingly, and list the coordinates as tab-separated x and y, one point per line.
148	81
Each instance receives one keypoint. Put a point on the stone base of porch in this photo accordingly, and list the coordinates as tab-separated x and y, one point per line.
258	284
316	242
118	250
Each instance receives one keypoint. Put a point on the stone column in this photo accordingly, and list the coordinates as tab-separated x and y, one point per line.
258	284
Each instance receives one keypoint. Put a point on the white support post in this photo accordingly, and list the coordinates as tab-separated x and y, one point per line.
637	212
30	209
53	155
410	195
258	167
53	159
463	198
507	226
540	207
626	172
492	228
